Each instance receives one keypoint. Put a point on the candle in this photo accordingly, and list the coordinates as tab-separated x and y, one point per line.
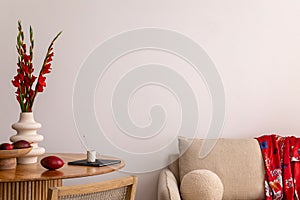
91	156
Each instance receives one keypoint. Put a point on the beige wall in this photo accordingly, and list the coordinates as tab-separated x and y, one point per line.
255	46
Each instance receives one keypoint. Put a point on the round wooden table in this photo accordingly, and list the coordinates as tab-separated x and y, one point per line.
31	182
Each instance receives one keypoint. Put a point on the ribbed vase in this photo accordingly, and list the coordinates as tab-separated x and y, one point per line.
26	129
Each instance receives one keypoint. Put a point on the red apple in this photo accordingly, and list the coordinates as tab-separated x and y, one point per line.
21	144
6	146
52	162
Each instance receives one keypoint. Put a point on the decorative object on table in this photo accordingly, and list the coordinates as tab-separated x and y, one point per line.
52	162
26	129
97	163
6	146
91	155
21	144
28	86
8	157
91	160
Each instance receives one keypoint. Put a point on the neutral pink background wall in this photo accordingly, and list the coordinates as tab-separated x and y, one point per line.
255	46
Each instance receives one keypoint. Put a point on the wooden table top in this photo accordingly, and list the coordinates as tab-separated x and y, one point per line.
35	171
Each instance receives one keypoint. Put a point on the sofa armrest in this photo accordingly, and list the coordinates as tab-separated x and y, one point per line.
168	186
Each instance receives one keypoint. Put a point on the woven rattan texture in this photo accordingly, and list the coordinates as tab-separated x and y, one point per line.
115	194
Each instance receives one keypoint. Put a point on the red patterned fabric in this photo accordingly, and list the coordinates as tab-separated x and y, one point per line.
281	157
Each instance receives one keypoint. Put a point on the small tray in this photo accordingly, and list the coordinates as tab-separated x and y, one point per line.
97	163
14	153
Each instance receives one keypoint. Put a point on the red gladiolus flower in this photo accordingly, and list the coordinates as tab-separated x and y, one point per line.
24	47
20	77
39	88
26	58
24	80
18	98
25	69
16	82
42	80
49	59
33	78
31	93
47	69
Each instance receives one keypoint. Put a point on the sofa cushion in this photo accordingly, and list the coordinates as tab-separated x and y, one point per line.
174	166
167	186
201	183
238	163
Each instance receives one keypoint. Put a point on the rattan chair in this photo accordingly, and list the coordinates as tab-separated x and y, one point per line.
117	189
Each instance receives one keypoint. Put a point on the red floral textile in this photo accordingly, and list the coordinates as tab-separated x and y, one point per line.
281	157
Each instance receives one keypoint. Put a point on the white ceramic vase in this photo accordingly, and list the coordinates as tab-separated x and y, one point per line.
26	129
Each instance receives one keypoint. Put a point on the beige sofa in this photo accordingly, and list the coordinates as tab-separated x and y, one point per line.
237	162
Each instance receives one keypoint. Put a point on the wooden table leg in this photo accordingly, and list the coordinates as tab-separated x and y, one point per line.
27	190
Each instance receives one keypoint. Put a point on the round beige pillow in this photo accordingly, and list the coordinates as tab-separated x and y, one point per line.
201	184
